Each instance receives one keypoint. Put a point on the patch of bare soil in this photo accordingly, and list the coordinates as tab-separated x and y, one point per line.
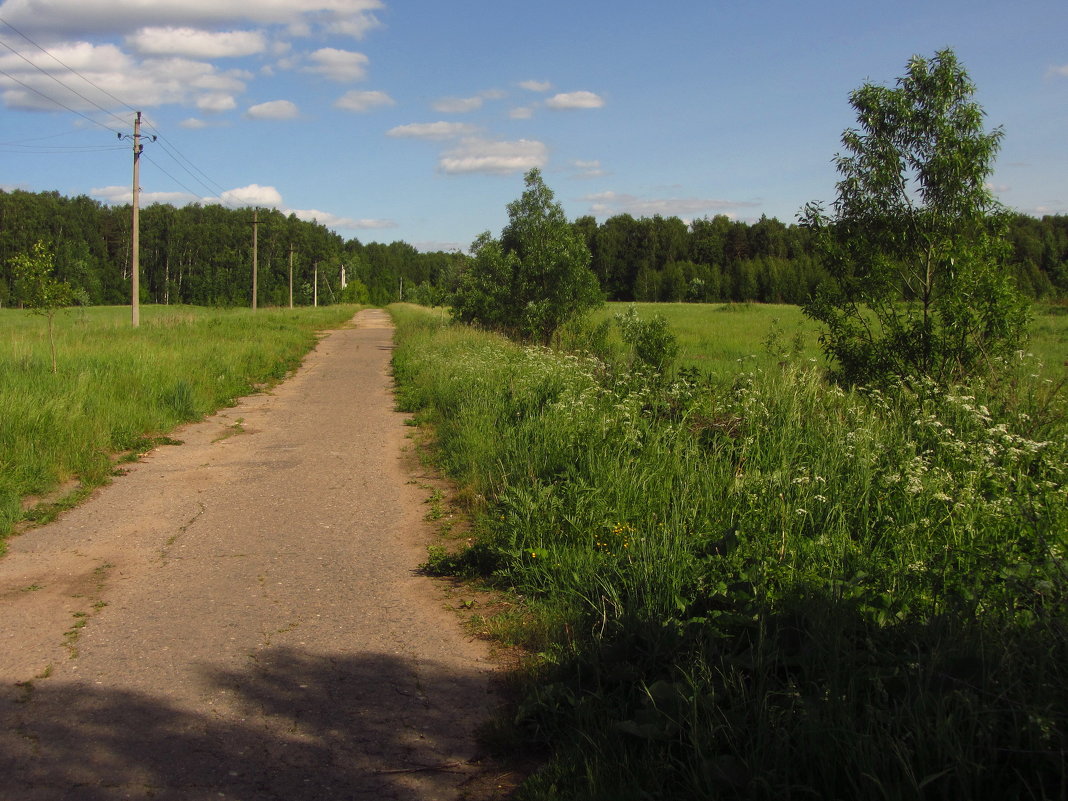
242	617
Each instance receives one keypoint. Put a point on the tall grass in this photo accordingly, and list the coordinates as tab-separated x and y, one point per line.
116	385
764	586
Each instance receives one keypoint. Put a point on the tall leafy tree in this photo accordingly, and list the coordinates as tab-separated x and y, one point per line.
536	277
915	244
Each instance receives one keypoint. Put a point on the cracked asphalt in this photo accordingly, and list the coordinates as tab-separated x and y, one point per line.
240	616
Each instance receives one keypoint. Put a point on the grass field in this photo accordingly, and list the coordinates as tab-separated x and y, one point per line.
732	337
117	387
758	585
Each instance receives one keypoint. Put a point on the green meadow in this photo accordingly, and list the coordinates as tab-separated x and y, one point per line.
745	582
731	337
119	389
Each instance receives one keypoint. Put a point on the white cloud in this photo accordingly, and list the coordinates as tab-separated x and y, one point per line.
536	86
171	198
357	26
80	56
83	17
112	194
438	246
432	130
120	195
607	204
216	102
273	110
486	156
196	43
457	105
363	101
343	66
26	100
521	113
28	86
289	62
336	221
1054	207
573	100
462	105
1061	71
251	195
588	169
193	123
147	83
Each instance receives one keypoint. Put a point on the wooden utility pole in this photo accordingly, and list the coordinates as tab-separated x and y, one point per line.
291	249
135	228
255	253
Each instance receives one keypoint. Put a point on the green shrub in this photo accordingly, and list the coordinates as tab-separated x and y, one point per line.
655	344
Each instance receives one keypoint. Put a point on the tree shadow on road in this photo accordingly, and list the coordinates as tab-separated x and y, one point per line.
293	726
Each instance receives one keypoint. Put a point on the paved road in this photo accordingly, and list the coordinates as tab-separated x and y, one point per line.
239	617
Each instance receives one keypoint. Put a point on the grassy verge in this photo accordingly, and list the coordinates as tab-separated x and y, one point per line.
762	586
118	389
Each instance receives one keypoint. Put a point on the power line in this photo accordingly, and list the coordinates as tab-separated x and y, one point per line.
69	69
91	102
38	138
170	149
57	102
186	188
167	146
63	85
30	149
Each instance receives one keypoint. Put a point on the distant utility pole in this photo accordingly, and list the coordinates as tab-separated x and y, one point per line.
255	253
135	225
292	247
315	294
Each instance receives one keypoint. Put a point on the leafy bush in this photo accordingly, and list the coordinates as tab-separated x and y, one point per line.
654	343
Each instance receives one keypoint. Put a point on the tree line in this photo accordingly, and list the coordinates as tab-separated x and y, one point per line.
202	255
720	259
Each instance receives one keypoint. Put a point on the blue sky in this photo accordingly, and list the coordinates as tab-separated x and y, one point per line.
416	120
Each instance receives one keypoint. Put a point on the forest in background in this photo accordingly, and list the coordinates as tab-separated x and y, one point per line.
202	255
719	259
